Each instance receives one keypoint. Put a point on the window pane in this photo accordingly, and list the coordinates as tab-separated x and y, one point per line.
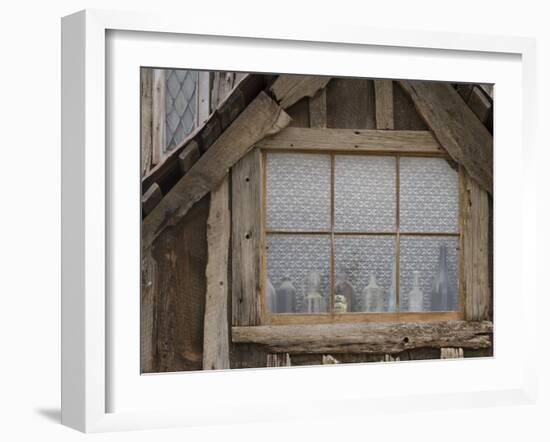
298	273
428	200
298	191
365	273
429	273
364	193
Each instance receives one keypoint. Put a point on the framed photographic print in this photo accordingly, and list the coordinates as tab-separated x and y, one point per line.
266	216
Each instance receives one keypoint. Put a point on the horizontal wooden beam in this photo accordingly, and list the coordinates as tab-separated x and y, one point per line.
366	337
289	89
262	117
455	126
351	140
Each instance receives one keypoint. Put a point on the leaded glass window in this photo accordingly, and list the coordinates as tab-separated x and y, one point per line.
347	233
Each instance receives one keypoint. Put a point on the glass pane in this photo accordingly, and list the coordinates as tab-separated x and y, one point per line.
428	195
364	273
298	273
298	191
429	273
364	193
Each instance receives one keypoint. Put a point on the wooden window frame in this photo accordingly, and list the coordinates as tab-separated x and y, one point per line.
330	317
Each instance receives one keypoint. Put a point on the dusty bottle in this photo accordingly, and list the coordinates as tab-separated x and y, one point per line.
441	299
270	297
340	304
416	297
314	299
286	297
391	293
343	287
373	296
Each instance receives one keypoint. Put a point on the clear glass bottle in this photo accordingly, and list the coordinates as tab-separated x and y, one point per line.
286	296
373	296
313	299
343	287
270	297
441	299
416	297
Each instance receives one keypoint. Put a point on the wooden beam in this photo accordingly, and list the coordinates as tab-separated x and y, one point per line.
246	239
146	81
350	140
150	199
383	90
159	115
455	126
475	219
288	89
318	110
189	156
216	324
262	117
366	337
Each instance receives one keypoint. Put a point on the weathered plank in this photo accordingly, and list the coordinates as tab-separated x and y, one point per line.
189	156
475	218
299	112
262	117
147	322
150	199
452	353
318	109
246	240
350	104
278	360
366	140
455	126
216	325
288	89
480	104
146	82
405	116
159	116
383	90
366	337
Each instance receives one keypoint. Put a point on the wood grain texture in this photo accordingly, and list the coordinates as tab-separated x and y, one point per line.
262	117
480	104
318	109
288	89
278	360
455	126
351	104
246	239
452	353
349	140
146	88
383	90
216	324
189	156
180	253
475	219
366	338
405	116
159	116
148	335
150	198
299	112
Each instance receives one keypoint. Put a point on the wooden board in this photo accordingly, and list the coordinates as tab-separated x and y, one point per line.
189	156
146	107
318	109
475	219
289	89
180	254
405	116
262	117
350	140
455	126
299	112
350	104
246	239
159	116
366	338
150	199
147	329
383	90
216	325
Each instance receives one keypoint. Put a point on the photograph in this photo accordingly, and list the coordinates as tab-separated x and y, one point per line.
300	220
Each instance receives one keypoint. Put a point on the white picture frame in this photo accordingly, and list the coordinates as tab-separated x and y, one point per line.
102	389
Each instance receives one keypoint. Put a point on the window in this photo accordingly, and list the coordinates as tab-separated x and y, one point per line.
360	235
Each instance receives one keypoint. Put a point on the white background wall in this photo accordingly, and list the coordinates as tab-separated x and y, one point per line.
30	216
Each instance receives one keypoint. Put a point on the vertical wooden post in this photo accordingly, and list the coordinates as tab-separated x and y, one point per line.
383	90
159	115
146	89
216	327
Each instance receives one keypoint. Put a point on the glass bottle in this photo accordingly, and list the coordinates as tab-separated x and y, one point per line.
440	289
416	297
270	297
373	296
391	293
343	287
340	304
314	299
286	296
